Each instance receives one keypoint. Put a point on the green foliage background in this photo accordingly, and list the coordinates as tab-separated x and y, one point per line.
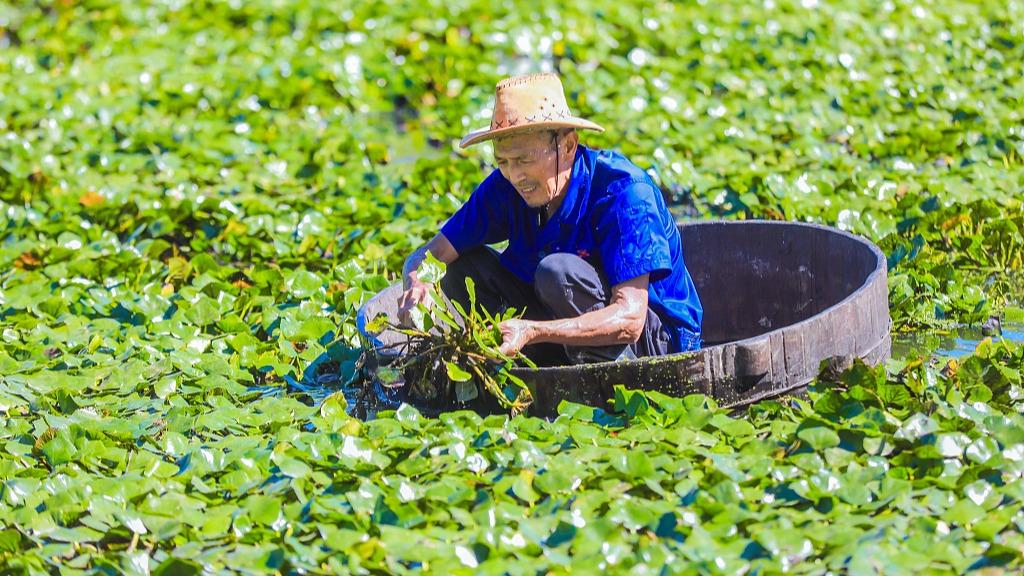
192	194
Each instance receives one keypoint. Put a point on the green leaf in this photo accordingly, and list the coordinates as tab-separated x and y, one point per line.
420	316
431	270
263	509
334	407
165	387
456	374
1014	314
291	467
819	437
522	487
60	449
177	567
639	465
303	284
203	312
964	513
10	541
732	427
377	324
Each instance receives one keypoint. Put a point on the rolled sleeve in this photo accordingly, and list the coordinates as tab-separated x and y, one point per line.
633	242
483	219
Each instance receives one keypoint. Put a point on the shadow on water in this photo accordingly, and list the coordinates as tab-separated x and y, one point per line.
337	369
347	370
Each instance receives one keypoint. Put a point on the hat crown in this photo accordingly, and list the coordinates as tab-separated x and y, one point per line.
524	100
528	103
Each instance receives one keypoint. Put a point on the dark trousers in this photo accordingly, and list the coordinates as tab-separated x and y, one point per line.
565	286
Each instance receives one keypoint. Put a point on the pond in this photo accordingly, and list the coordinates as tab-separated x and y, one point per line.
194	194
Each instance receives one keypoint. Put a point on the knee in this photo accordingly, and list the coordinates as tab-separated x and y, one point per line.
553	275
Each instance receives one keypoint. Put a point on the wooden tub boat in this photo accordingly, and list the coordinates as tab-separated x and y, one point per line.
779	298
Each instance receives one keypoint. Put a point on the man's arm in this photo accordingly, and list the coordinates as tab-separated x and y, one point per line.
620	322
416	291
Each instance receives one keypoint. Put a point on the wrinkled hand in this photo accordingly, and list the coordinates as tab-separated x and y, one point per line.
514	335
417	294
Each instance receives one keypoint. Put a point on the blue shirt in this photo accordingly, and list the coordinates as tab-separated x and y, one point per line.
613	212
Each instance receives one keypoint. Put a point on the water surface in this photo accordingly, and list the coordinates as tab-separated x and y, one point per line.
955	343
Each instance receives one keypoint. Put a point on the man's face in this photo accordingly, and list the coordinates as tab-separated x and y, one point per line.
529	162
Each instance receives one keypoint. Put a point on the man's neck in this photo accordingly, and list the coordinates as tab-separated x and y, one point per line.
545	212
549	209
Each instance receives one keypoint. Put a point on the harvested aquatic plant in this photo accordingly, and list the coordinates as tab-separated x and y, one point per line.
452	352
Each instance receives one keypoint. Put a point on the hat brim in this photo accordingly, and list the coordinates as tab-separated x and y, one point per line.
477	136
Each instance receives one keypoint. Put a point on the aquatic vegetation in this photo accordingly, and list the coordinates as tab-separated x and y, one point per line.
195	197
892	472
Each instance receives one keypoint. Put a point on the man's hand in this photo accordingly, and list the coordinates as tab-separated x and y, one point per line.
514	335
417	294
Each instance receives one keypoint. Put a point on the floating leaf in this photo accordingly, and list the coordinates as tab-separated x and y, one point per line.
177	567
819	437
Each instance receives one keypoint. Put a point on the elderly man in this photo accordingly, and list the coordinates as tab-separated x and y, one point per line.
593	259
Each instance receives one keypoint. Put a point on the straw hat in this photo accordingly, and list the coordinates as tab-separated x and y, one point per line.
525	104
